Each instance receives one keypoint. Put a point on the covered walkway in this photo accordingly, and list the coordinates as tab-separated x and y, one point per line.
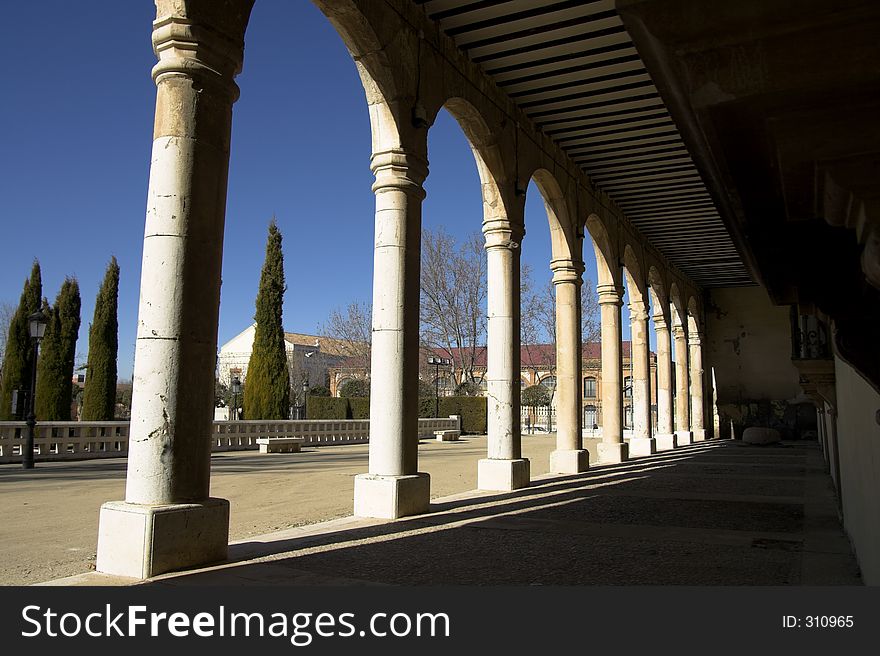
711	513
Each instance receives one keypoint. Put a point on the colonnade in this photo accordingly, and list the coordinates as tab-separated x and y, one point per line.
168	519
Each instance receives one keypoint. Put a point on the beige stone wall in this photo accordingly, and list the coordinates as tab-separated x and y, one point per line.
858	434
749	345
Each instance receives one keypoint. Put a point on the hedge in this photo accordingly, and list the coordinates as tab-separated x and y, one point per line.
472	409
327	407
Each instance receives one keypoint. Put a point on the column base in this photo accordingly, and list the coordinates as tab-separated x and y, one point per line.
141	541
683	438
572	461
390	497
503	475
613	453
665	442
642	446
699	434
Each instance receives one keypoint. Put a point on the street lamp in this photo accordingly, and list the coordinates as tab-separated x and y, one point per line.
37	327
236	390
437	362
305	389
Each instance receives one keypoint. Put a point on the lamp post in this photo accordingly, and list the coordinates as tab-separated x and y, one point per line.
437	362
37	326
305	390
236	390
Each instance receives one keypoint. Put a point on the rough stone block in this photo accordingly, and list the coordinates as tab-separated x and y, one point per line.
570	461
665	442
760	435
144	541
390	497
683	438
280	444
642	446
503	475
613	453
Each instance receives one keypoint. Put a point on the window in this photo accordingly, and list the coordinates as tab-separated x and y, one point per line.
628	387
549	382
590	389
590	415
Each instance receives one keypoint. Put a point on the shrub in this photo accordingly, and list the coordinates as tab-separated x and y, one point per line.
355	388
326	407
358	408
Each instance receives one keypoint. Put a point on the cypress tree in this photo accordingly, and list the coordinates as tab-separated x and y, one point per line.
99	395
57	353
267	393
18	358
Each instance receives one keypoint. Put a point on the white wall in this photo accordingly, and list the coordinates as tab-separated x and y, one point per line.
859	452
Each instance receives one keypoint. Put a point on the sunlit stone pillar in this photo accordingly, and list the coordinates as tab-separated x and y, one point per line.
394	487
504	468
168	520
665	434
569	457
612	448
683	433
698	428
642	443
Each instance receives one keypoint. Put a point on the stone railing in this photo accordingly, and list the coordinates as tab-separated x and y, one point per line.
80	440
65	440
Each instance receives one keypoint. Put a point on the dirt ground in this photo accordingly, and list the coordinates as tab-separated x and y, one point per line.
49	515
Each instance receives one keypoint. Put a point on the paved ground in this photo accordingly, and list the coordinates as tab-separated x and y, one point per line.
49	515
713	513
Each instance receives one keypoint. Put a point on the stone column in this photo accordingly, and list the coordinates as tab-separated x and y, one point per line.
168	520
612	448
821	433
665	435
698	428
504	468
683	433
642	443
394	487
569	457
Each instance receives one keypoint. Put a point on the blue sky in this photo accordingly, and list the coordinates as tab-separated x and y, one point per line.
78	111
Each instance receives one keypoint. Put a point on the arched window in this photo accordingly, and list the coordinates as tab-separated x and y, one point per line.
590	416
548	382
590	389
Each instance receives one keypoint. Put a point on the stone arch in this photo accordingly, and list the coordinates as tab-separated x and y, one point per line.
693	316
374	67
657	292
636	281
606	261
563	244
487	155
677	308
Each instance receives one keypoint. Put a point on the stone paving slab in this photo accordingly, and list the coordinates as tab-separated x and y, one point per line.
660	520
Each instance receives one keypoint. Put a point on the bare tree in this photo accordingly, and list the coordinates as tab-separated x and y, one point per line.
353	327
453	299
538	323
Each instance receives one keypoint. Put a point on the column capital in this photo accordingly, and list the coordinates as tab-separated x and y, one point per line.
678	331
638	311
695	338
610	295
399	169
206	46
567	271
501	233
